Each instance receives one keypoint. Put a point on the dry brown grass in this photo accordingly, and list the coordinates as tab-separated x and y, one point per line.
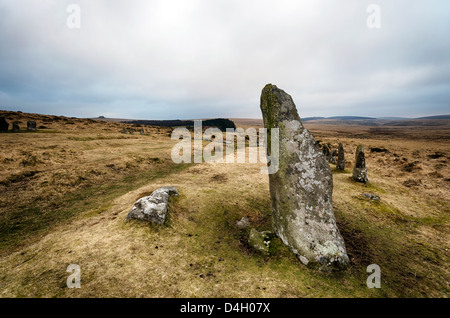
200	252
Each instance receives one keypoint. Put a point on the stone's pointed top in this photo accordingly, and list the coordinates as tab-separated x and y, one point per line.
277	106
171	190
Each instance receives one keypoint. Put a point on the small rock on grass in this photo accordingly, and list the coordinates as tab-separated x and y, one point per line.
260	241
154	207
243	223
371	196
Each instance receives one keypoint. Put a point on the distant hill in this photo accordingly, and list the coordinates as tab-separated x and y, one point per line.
220	123
392	118
436	117
439	120
337	117
312	118
350	117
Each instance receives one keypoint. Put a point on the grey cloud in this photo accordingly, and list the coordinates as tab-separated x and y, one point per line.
199	58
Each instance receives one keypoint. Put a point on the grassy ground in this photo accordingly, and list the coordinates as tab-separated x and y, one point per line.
68	207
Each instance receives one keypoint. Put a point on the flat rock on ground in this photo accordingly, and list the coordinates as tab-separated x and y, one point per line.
154	207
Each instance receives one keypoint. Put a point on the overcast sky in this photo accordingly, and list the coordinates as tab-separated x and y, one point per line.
185	59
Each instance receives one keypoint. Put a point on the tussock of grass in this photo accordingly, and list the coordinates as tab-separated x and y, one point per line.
14	178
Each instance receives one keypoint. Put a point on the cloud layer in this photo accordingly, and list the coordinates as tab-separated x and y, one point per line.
198	58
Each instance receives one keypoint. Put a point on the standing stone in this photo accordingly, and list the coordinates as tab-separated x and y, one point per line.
360	169
341	158
15	127
326	152
131	131
142	131
334	154
302	188
153	208
4	126
31	125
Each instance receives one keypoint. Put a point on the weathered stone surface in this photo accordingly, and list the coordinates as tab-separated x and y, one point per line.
333	156
142	132
360	169
260	241
15	127
243	223
301	190
326	152
131	131
4	125
31	125
341	158
154	207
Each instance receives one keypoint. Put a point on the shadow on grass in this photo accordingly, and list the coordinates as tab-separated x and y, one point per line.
409	268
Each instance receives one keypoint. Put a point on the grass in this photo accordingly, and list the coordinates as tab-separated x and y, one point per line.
38	218
73	209
18	177
96	138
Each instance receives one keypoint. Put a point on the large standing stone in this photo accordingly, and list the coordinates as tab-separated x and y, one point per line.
131	131
301	190
360	169
31	125
4	126
341	158
15	127
142	131
154	207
